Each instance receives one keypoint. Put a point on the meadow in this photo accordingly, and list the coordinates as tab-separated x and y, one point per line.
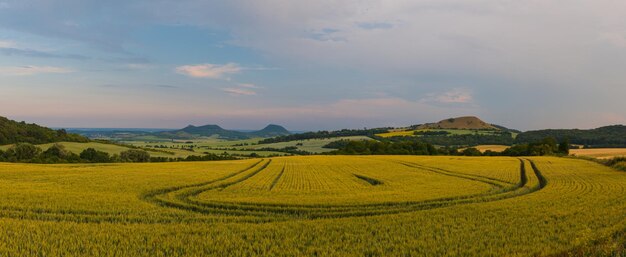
111	149
314	205
245	146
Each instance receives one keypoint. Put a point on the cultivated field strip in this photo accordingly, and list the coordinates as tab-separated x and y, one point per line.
186	198
500	206
53	213
262	175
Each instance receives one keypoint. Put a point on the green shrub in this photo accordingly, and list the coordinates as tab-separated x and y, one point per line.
135	155
22	152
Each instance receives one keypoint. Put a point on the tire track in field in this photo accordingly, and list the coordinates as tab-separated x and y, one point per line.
86	216
278	177
180	198
338	211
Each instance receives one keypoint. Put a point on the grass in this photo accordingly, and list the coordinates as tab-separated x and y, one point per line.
314	205
209	145
246	146
77	148
310	145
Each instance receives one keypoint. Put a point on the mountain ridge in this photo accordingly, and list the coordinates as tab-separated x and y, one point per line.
209	130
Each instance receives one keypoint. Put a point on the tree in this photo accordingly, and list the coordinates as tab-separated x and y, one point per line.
23	152
135	155
564	146
471	152
95	156
56	150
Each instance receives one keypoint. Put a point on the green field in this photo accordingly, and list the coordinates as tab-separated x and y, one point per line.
310	145
201	146
247	146
77	148
314	206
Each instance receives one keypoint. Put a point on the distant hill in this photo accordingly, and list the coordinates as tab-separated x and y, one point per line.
609	136
191	132
12	132
467	122
271	130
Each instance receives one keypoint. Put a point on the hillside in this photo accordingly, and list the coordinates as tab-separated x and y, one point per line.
467	122
12	132
191	132
271	130
609	136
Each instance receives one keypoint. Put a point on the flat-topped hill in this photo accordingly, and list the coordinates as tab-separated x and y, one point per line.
466	122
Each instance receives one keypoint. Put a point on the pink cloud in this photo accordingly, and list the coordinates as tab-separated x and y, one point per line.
238	91
207	70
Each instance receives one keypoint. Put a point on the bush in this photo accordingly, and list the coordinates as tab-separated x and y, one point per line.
22	152
471	152
93	155
620	165
135	155
56	150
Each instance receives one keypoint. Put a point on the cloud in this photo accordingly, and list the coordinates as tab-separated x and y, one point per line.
374	25
213	71
454	96
238	91
9	51
31	70
242	89
167	86
139	66
248	85
6	44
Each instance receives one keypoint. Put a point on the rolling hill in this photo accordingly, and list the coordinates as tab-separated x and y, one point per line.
191	132
467	122
12	132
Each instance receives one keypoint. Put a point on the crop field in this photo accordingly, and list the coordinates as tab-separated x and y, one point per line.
206	145
600	153
314	206
494	148
247	146
309	145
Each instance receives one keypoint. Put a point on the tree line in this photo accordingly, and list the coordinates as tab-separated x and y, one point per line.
324	134
29	153
444	138
12	132
609	136
547	146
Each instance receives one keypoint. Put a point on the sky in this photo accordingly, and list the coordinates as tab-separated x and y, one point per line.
309	65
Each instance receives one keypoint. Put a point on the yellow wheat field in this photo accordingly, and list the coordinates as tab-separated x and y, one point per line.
312	206
600	153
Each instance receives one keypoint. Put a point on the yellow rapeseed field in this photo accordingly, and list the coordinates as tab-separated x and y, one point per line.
313	206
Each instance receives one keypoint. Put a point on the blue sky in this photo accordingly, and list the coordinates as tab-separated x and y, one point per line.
312	64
